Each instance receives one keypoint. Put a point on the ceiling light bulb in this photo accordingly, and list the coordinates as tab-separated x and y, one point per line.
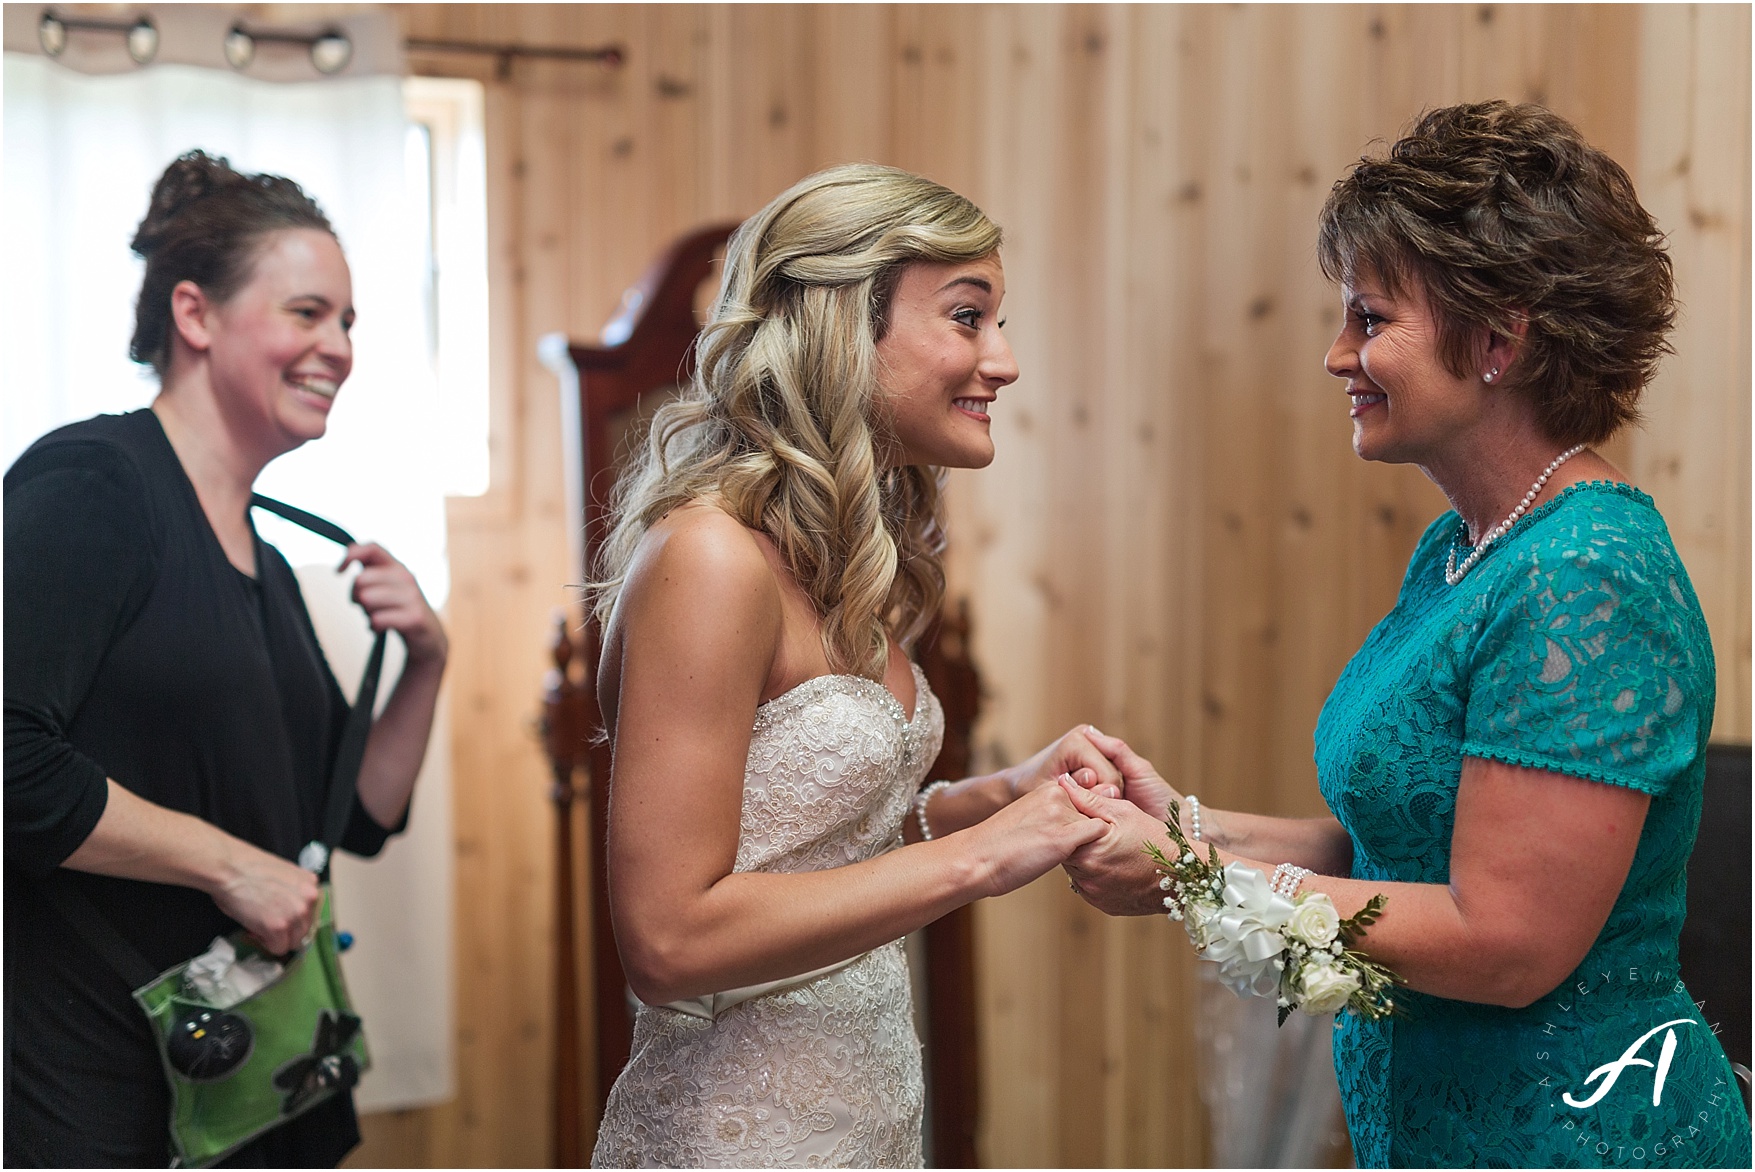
240	48
142	41
51	34
331	52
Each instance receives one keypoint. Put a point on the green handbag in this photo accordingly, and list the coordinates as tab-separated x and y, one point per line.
237	1072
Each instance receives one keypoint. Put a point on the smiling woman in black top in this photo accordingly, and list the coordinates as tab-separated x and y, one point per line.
170	719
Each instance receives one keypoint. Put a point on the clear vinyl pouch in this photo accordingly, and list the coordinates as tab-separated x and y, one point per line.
236	1072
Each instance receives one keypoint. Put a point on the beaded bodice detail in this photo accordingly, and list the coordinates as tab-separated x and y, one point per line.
833	766
827	1073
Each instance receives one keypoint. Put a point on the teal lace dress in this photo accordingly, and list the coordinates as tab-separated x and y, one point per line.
1575	645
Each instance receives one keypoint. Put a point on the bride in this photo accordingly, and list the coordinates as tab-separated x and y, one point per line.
774	556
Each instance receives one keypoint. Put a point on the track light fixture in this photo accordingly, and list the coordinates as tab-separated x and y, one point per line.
330	49
141	36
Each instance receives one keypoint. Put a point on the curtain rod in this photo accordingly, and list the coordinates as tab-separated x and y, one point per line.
612	56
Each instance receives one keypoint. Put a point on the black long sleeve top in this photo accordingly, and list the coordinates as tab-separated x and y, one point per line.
135	650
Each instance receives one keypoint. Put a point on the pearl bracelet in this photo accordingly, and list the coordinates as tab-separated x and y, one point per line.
920	801
1194	818
1288	878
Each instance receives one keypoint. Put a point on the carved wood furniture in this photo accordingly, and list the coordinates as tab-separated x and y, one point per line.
645	354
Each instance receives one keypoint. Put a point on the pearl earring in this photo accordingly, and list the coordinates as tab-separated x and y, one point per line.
1490	375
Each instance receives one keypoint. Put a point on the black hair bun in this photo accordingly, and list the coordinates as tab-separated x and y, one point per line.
191	177
202	226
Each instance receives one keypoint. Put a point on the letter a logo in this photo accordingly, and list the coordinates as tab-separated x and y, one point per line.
1610	1071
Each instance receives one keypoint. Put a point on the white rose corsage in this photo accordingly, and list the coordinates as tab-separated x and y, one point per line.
1265	943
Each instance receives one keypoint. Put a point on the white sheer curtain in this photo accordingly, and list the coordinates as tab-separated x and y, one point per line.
81	154
1270	1091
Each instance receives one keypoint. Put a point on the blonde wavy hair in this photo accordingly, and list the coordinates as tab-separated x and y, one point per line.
783	424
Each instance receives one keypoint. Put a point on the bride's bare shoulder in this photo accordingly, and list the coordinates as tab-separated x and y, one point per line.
698	617
698	553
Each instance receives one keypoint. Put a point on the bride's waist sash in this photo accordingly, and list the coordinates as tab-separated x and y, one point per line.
709	1006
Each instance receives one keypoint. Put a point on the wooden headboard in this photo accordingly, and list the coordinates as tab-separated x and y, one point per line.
646	350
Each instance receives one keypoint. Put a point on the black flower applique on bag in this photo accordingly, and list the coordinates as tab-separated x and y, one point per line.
327	1067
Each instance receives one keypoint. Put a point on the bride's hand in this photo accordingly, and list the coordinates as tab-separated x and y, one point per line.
1076	754
1141	784
1113	873
1029	838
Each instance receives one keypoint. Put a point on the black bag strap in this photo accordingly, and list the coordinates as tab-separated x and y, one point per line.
345	774
298	516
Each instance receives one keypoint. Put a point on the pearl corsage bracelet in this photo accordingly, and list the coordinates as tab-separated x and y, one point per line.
1267	938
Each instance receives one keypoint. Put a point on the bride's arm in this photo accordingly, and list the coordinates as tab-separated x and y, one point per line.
699	626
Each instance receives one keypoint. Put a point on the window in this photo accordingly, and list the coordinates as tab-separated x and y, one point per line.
446	159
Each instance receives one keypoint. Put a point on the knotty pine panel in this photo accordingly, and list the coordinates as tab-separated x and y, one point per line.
1692	455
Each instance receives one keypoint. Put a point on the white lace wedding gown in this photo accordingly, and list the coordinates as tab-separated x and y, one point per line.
826	1073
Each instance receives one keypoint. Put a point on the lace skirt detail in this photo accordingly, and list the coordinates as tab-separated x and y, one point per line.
826	1075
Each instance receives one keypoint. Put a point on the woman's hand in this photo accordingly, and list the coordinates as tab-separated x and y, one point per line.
1141	783
398	743
393	602
968	802
1030	837
274	900
1076	754
1113	873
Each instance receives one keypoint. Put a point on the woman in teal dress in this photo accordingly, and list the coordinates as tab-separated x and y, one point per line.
1515	757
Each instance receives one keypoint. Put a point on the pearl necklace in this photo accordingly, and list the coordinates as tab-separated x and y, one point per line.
1453	573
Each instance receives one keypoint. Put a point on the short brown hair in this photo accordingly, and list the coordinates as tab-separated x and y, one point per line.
1501	213
203	225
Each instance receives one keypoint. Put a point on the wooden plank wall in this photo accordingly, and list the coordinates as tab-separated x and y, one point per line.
1693	453
1175	540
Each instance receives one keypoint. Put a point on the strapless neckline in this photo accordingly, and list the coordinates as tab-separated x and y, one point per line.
809	689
